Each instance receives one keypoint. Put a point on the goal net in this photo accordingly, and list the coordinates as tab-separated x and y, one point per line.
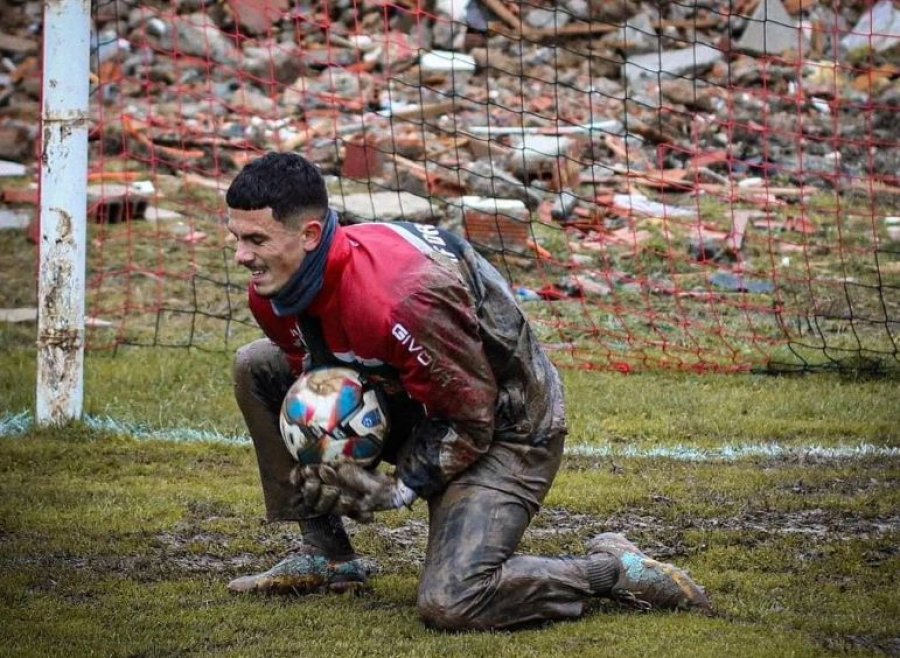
703	186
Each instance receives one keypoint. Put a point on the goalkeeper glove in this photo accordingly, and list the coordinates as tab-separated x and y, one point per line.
348	490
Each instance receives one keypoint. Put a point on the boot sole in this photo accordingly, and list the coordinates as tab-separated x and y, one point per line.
297	586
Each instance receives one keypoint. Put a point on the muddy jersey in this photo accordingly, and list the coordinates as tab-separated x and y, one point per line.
419	311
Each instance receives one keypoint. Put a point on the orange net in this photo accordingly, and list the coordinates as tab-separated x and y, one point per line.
697	186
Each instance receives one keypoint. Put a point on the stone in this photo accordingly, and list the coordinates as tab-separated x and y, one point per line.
198	35
564	205
10	43
639	205
258	16
15	144
14	315
383	207
540	18
455	68
107	46
11	169
157	214
638	34
249	100
577	8
282	64
113	203
496	223
587	285
772	31
549	158
892	226
738	283
712	249
643	70
11	218
454	10
604	11
485	179
878	29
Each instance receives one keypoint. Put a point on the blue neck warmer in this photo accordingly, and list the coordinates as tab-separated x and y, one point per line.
307	281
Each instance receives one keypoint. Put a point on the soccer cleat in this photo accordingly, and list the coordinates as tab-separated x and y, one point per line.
647	583
306	572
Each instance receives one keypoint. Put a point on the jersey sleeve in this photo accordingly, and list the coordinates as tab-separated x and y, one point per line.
435	345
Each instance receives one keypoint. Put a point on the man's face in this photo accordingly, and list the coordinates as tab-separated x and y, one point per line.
269	249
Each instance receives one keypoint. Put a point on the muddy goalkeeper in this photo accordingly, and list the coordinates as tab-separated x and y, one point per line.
478	411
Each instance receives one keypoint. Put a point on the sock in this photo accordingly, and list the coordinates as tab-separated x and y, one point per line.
602	573
327	534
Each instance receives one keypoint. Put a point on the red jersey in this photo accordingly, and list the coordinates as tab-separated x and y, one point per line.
419	307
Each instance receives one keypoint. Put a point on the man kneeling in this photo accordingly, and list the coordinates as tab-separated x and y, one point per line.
478	410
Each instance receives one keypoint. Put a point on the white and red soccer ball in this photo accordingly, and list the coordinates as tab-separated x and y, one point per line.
333	415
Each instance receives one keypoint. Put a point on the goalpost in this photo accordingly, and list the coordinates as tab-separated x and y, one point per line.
63	234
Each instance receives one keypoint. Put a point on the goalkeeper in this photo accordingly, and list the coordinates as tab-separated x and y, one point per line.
477	409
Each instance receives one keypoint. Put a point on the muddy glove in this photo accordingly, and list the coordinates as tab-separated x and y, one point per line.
347	490
318	491
364	492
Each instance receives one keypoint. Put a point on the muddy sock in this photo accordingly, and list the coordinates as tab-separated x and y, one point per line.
603	572
327	534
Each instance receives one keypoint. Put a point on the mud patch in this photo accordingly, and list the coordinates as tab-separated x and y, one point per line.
191	548
888	646
401	547
200	551
816	522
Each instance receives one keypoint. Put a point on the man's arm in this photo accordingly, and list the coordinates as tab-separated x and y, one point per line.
436	347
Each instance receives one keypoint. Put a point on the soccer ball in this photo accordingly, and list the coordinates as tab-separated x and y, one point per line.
332	415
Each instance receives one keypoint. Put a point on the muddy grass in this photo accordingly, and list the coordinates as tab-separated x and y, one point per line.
800	555
658	537
191	549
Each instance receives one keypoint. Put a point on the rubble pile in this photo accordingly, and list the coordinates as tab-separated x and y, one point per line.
558	95
610	120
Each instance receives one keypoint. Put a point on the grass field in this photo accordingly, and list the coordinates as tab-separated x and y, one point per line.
779	494
117	538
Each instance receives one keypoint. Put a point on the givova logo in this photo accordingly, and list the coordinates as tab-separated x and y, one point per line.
423	356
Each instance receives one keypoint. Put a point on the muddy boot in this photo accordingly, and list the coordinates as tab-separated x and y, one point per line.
304	572
646	583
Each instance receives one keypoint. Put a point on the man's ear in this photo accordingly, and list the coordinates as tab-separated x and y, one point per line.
311	234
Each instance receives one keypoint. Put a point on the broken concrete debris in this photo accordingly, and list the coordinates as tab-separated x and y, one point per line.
457	68
878	29
382	206
772	31
501	224
667	65
111	203
14	218
738	283
609	122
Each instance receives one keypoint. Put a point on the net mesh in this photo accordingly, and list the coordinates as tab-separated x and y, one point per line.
705	186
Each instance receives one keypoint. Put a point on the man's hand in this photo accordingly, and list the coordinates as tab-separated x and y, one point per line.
317	489
371	491
347	490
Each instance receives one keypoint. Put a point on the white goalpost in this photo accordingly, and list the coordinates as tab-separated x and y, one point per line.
63	211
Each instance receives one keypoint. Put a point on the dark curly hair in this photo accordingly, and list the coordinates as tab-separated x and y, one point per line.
290	185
